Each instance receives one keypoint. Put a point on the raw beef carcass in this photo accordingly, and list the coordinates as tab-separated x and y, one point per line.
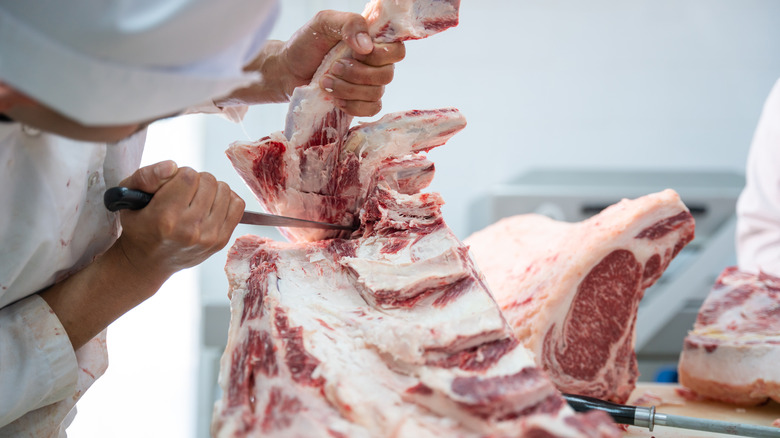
391	333
733	352
387	332
571	290
323	183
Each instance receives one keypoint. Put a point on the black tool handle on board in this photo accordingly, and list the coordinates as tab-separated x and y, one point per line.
622	414
120	198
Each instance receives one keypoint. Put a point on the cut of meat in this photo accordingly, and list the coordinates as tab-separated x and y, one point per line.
571	290
733	351
319	344
329	184
390	331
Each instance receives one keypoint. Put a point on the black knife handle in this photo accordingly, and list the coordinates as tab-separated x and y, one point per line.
120	198
622	414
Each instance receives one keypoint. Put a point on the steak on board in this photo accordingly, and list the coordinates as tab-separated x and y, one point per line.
571	291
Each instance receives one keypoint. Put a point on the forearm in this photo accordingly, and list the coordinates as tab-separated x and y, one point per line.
88	301
275	85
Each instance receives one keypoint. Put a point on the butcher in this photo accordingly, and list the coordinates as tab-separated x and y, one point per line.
79	83
758	208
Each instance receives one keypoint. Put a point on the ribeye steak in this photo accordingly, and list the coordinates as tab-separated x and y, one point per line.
733	352
571	290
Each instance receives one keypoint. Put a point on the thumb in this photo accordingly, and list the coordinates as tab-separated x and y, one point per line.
150	178
350	27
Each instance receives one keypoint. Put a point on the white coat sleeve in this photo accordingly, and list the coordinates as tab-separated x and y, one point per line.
758	208
234	113
37	360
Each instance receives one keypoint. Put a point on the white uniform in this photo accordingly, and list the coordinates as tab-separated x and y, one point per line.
54	224
128	62
758	208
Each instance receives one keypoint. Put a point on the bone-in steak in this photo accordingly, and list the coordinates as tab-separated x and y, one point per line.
571	290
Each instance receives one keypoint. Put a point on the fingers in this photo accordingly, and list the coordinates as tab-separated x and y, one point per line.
344	26
360	108
357	100
358	73
235	211
150	178
178	192
205	208
223	215
191	217
357	84
357	88
215	211
219	208
204	198
383	54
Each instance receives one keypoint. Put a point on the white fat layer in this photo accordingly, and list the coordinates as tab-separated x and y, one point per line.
348	337
399	134
741	346
432	261
733	363
405	17
308	106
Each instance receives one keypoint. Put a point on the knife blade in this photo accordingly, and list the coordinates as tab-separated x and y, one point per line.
648	417
121	198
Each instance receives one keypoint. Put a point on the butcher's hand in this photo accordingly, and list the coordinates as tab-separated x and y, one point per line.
356	82
190	217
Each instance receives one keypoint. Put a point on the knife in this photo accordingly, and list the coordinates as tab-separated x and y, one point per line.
120	198
648	417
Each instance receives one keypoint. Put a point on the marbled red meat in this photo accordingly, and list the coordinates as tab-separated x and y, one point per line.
390	331
571	290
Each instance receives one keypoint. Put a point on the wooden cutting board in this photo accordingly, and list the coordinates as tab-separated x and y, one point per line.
673	403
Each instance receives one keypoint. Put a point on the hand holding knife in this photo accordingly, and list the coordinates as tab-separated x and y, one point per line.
120	198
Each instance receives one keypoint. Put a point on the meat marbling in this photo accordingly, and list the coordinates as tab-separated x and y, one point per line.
390	331
571	290
733	352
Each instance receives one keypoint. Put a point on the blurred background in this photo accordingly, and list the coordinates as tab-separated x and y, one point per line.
570	107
